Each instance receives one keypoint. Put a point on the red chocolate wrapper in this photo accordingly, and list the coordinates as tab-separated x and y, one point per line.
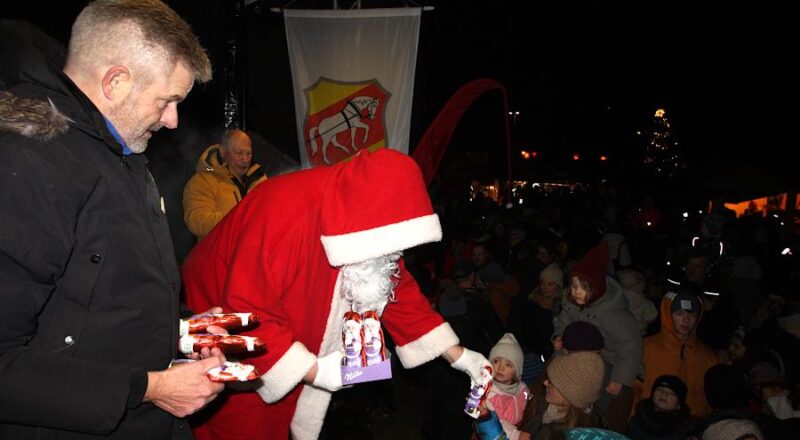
225	320
227	343
233	372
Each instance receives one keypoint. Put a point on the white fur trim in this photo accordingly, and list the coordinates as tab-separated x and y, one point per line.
356	247
286	373
428	347
313	402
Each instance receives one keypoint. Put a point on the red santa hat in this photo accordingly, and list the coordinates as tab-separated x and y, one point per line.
592	269
376	204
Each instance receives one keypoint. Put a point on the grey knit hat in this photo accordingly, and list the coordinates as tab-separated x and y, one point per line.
732	429
508	347
577	376
553	273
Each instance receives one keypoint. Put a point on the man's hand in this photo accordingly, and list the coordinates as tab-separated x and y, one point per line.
472	363
329	371
184	389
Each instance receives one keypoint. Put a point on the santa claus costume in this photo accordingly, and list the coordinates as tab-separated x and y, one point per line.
279	254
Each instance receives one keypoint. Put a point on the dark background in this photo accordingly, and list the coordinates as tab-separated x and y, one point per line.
584	75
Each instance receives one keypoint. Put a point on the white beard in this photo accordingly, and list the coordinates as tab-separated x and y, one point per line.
369	285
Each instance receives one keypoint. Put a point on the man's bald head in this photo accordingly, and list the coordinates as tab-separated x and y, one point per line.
237	151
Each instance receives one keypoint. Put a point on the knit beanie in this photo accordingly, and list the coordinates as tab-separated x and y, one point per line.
765	374
726	387
577	376
582	336
592	269
685	301
553	273
508	347
732	429
674	384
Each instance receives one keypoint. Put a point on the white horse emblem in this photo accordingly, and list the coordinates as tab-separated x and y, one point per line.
349	117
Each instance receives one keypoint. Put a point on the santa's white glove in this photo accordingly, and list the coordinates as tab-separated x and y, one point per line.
473	363
329	371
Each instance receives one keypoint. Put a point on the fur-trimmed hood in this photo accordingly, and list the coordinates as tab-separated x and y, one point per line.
29	56
31	118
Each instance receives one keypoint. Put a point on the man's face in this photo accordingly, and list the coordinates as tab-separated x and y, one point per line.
664	399
696	269
150	106
238	154
684	322
479	256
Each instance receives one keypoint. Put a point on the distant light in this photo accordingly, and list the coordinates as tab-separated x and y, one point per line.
576	156
782	224
786	251
603	158
534	185
520	201
660	113
711	293
775	215
669	263
685	215
535	153
700	211
671	281
694	240
649	223
639	132
525	154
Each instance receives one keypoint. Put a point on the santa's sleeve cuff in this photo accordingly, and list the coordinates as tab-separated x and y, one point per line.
428	347
286	373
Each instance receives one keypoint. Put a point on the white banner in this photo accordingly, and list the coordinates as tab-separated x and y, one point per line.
353	76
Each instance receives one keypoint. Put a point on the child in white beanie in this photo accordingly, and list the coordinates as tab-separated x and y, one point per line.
508	395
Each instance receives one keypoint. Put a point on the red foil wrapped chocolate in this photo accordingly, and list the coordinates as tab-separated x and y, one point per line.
228	344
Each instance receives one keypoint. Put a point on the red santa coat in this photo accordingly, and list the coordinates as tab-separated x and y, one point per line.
278	254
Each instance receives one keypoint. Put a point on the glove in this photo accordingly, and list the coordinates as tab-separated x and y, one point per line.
329	371
474	364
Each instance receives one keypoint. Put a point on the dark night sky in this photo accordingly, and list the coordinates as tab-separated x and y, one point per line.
584	75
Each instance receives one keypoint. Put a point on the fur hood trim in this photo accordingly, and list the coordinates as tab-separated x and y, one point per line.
31	118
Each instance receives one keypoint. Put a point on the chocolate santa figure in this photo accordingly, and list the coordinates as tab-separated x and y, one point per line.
374	350
352	337
301	250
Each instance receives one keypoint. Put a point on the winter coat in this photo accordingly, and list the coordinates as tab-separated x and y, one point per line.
609	313
88	279
649	424
509	408
664	353
214	190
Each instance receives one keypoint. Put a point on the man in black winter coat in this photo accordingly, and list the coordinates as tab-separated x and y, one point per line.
88	282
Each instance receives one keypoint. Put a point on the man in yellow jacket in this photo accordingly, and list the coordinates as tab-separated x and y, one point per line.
224	175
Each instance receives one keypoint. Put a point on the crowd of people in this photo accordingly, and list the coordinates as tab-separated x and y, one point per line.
692	317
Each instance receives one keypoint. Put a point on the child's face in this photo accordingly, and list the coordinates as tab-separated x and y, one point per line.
664	399
504	371
578	293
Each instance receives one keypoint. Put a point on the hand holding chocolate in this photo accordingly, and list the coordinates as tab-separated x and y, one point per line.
228	344
227	321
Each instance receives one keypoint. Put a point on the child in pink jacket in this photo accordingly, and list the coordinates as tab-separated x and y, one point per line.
508	395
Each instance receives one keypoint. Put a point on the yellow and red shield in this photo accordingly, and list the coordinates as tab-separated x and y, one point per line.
343	118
